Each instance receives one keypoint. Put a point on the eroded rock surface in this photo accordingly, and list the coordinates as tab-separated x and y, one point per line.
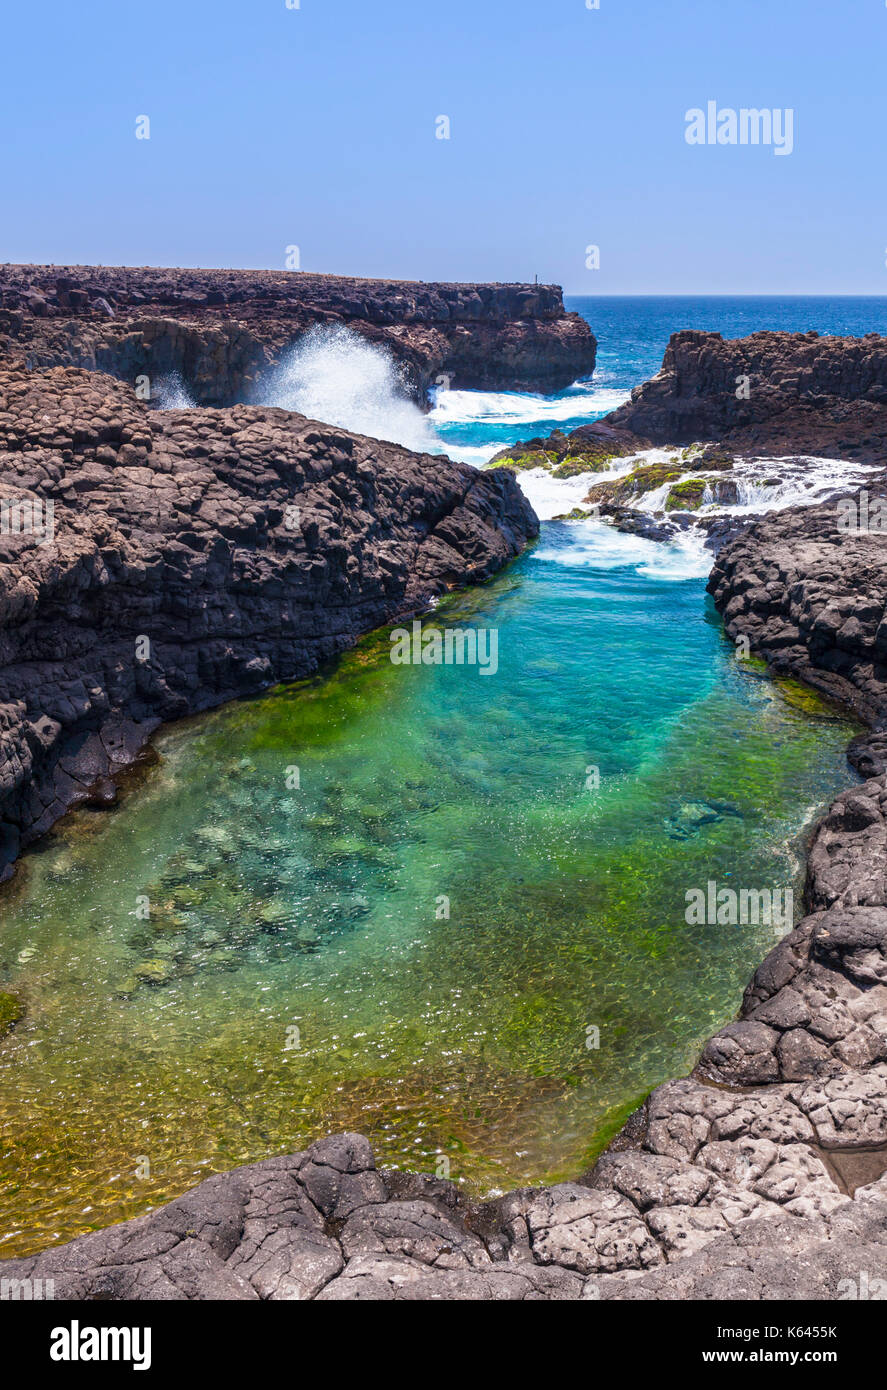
769	393
221	331
809	594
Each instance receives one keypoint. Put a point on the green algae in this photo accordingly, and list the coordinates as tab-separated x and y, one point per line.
687	496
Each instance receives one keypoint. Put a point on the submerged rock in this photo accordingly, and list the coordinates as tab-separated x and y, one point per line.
690	817
154	972
12	1011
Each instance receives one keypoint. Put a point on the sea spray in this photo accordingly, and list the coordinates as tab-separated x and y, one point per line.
335	375
171	393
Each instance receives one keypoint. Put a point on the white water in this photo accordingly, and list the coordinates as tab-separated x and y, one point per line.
600	546
550	497
802	482
336	376
171	393
517	408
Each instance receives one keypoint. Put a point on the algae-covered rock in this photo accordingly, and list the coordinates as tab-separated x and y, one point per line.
574	464
154	972
636	484
187	895
690	494
223	960
218	838
521	462
274	915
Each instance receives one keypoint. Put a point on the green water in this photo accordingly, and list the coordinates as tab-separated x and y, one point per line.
157	1050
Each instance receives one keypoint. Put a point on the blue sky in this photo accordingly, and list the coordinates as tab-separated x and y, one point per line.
316	127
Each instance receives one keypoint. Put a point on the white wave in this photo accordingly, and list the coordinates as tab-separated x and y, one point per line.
334	375
515	408
595	545
550	497
805	482
762	484
478	455
171	393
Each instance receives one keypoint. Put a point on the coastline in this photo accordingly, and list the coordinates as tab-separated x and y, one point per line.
732	1182
651	1219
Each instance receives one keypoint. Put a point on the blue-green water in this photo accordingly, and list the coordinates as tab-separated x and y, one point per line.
418	933
459	1038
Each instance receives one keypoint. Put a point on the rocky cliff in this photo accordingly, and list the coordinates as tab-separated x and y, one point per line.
222	330
770	393
155	563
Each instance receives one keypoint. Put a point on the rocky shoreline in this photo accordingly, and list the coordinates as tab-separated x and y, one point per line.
761	1176
222	331
704	426
158	563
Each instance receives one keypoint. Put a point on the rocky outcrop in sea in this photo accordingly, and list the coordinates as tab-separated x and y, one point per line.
769	393
702	431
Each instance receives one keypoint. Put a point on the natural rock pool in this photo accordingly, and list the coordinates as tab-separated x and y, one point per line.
229	965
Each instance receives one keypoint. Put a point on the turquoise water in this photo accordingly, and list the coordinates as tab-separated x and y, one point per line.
157	1048
467	881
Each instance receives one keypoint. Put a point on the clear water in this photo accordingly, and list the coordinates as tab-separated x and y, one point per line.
319	906
158	1048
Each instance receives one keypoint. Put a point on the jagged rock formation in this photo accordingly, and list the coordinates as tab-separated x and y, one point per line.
810	595
221	330
588	449
195	556
769	393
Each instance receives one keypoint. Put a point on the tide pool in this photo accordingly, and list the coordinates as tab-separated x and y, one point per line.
441	908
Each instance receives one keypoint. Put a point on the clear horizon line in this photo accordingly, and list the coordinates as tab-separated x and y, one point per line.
722	294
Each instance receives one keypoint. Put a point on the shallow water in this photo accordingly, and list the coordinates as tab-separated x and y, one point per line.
461	1043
